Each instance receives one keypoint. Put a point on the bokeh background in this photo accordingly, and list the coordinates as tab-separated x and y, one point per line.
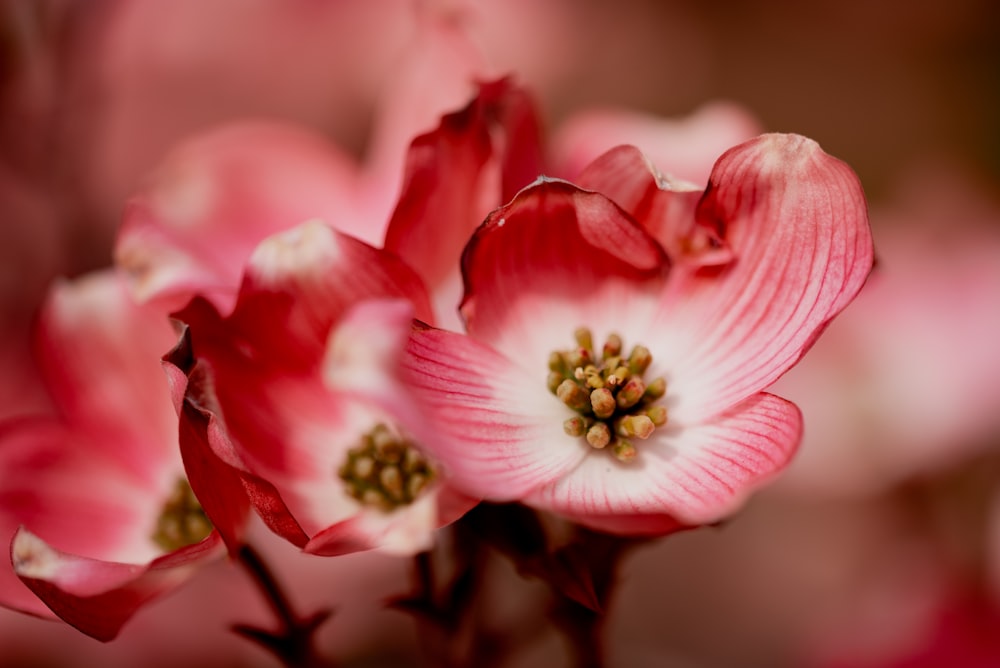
879	547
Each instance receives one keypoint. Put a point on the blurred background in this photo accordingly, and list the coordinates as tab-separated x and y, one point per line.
879	547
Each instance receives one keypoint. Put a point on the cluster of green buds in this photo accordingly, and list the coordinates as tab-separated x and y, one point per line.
614	402
385	471
182	521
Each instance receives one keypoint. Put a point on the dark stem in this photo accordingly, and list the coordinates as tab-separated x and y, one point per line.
294	642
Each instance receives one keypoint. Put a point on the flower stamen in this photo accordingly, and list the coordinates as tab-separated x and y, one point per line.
614	402
386	470
182	521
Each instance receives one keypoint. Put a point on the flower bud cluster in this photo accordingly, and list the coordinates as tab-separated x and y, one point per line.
609	392
386	471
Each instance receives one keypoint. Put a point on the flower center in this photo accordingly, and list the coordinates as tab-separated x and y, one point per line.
182	521
614	402
386	471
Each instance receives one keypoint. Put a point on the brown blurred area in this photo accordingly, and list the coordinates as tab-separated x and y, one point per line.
878	84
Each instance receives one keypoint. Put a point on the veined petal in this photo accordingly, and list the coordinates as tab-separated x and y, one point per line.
663	206
98	597
688	475
554	259
497	432
217	196
796	221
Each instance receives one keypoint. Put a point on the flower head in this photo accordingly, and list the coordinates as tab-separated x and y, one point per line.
559	263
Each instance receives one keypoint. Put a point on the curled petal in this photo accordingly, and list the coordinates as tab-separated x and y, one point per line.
98	597
452	182
663	206
796	221
690	475
556	255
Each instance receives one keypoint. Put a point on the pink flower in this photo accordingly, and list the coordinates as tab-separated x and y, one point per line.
107	520
299	392
668	426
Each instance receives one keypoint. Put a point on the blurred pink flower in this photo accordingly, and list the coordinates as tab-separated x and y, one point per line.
906	383
97	487
558	258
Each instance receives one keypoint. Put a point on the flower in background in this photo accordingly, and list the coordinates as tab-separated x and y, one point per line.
906	383
604	383
95	494
298	385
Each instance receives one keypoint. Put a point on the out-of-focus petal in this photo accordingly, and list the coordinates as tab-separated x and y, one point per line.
684	148
217	195
796	221
98	597
99	355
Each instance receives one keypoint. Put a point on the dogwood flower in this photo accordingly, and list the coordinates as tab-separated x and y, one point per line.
606	383
298	385
94	495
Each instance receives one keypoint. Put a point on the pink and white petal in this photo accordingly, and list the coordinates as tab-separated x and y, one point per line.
217	196
403	531
554	259
98	597
796	221
497	433
99	354
663	206
326	272
685	148
364	349
56	480
696	474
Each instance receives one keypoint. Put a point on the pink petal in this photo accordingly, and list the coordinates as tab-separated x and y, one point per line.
451	183
217	196
325	272
98	597
99	355
684	148
685	476
554	259
664	207
797	223
498	435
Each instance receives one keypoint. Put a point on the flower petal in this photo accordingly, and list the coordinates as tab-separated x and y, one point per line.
664	207
98	352
217	196
98	597
451	183
686	476
554	259
324	272
497	436
685	148
797	224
